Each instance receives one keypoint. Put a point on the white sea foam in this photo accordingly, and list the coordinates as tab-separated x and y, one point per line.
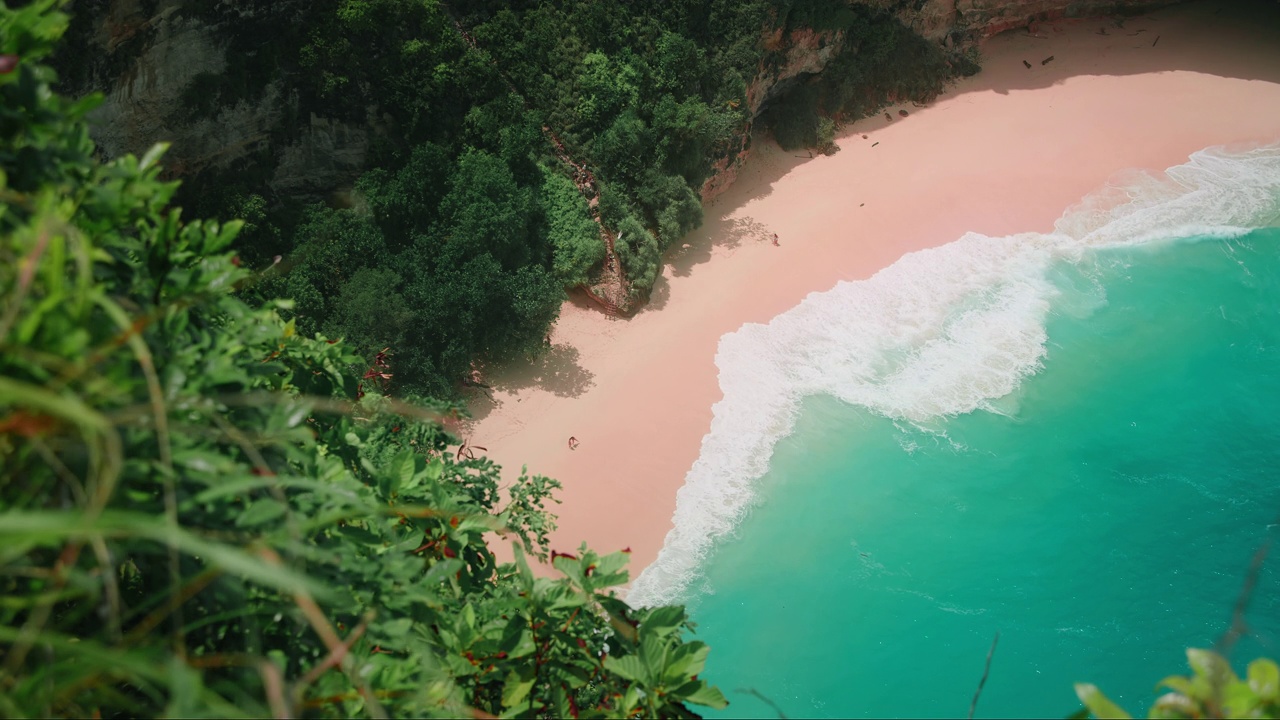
941	332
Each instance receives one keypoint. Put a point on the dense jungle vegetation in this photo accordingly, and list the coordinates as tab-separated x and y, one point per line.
205	512
456	247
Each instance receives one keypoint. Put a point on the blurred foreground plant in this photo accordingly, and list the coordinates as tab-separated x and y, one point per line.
1212	691
199	518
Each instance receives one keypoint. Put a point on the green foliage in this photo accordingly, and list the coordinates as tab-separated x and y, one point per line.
370	314
199	518
405	202
1213	690
674	207
575	239
650	93
605	88
621	150
485	212
639	252
826	135
335	245
456	96
881	62
448	262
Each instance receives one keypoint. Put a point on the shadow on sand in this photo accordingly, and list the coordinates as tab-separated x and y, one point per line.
722	232
557	370
1252	24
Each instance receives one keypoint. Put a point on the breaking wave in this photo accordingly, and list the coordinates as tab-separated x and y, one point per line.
941	332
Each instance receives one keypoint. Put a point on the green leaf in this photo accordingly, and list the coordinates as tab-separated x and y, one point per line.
524	574
397	628
225	236
663	620
184	690
1264	679
402	471
686	661
260	512
62	406
627	668
51	527
653	651
516	689
711	697
1177	683
153	155
1210	665
1100	705
1171	705
1238	700
241	486
516	639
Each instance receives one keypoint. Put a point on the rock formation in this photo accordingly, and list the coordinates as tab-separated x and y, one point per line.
149	56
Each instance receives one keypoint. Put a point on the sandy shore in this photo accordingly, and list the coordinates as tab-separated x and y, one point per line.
1006	151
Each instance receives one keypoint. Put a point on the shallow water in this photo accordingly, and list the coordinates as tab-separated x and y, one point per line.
940	333
1066	437
1101	516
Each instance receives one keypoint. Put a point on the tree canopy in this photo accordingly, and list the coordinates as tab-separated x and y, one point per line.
204	512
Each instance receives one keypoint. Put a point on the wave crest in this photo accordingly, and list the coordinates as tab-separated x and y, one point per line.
941	332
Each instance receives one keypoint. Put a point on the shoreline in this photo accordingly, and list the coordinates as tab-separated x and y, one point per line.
1006	151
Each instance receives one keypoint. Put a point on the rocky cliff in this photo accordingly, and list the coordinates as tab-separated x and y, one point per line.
802	53
970	21
158	60
158	63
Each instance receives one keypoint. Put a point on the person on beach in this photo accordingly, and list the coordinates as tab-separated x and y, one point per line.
775	239
573	443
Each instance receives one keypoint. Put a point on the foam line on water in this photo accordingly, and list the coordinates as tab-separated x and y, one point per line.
941	332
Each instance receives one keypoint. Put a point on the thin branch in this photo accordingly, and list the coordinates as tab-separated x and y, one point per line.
60	469
1239	628
260	462
28	273
315	616
160	414
762	698
40	615
194	586
334	658
986	670
273	685
110	584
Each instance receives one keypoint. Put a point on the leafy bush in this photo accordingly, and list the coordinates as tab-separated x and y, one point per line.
826	136
1212	691
639	252
575	239
204	513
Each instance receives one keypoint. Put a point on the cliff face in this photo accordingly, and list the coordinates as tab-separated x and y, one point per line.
149	60
150	57
969	21
954	24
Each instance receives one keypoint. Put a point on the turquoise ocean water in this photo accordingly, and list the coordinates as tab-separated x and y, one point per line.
1072	439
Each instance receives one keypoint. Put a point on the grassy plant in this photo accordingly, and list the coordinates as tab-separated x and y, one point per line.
204	513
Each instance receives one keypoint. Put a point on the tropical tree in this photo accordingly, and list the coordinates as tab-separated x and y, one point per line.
203	512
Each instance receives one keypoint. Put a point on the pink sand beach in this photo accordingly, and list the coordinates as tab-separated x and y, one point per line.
1003	152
